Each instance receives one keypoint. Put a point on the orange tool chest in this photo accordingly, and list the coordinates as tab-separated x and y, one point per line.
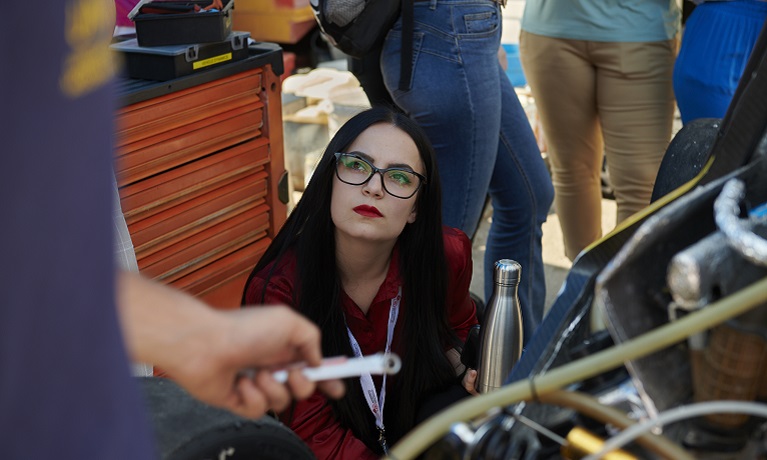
201	176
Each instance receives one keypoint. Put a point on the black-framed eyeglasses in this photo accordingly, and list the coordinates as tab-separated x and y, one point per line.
402	183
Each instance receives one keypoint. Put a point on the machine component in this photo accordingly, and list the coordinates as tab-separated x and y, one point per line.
581	442
730	361
727	310
740	237
496	439
731	368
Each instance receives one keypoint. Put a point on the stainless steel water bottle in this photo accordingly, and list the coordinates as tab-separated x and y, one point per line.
501	337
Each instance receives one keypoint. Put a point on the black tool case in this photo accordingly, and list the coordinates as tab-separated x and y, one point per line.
168	62
181	28
260	54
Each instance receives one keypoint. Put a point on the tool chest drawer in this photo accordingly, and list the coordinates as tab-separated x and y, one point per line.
199	168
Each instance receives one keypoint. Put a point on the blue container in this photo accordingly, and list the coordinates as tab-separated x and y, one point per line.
514	70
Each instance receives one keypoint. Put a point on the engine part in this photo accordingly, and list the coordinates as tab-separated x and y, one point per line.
581	442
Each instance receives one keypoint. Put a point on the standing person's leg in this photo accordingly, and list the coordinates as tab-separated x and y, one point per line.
521	192
636	105
709	65
562	80
454	97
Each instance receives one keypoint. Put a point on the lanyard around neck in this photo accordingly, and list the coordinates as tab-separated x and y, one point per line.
375	402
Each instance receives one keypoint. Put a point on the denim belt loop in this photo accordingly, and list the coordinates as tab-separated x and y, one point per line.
432	5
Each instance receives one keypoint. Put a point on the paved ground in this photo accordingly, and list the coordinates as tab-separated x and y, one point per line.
556	265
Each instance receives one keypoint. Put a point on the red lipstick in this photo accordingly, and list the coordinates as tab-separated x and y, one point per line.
367	211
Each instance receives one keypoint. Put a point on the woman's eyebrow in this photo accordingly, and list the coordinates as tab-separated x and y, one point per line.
390	165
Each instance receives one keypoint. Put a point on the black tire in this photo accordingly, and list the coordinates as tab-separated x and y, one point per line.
186	429
686	155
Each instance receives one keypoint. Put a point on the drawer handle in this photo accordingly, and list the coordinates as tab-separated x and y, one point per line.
283	193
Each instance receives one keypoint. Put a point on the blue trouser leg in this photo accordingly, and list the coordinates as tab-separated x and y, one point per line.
466	104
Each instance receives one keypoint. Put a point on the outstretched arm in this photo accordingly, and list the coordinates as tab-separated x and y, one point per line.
204	349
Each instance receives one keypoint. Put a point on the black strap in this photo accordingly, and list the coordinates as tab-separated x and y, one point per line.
406	54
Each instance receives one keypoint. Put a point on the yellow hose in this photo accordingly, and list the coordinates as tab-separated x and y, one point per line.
588	405
425	434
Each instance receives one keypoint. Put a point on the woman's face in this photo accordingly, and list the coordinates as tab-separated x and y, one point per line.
367	211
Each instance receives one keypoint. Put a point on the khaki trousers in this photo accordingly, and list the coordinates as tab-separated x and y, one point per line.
595	98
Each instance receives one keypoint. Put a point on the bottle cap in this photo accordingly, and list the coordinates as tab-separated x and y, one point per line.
507	272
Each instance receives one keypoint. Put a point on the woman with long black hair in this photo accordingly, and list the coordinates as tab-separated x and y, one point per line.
365	256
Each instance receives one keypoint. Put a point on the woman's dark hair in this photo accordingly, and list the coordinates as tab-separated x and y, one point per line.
425	331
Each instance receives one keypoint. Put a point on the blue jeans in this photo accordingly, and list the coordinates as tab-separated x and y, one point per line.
461	97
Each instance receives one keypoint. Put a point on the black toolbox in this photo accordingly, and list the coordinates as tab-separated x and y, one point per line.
153	29
260	54
168	62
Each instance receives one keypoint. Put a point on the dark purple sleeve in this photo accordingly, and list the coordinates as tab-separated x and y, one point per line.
65	384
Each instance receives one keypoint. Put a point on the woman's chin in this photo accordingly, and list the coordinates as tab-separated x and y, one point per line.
368	233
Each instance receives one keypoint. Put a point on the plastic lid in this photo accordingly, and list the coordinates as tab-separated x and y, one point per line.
507	271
